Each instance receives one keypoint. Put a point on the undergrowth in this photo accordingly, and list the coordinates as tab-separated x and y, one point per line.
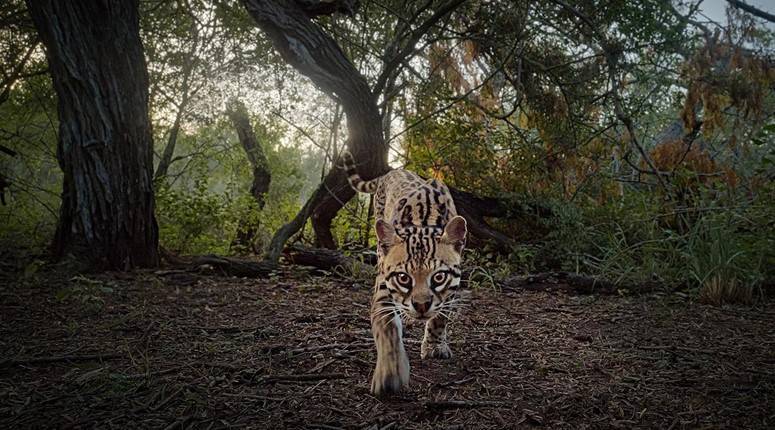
722	247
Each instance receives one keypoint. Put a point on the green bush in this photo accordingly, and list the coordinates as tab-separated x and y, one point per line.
193	222
722	247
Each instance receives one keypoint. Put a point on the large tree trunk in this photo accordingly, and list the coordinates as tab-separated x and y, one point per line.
262	177
105	146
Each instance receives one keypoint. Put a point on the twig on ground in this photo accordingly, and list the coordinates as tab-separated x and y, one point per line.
149	374
304	377
463	404
57	358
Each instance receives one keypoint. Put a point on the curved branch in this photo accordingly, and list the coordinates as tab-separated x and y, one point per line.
737	4
309	49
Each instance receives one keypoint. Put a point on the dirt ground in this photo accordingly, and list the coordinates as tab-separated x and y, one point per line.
175	350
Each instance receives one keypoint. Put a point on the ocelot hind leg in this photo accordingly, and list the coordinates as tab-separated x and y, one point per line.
392	370
434	343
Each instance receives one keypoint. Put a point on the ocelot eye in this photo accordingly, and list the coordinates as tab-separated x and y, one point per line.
439	278
404	280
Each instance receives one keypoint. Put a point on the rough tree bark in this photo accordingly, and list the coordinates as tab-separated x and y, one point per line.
262	177
105	146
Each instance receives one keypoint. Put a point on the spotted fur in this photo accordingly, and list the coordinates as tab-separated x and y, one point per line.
420	242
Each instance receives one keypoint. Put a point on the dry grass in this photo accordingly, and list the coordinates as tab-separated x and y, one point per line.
719	290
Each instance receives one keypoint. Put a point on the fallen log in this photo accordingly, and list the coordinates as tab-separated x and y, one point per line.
329	260
234	266
228	266
321	258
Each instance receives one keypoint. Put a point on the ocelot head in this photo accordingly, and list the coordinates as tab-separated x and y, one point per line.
420	266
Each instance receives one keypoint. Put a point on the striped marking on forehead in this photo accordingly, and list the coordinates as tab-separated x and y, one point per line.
420	244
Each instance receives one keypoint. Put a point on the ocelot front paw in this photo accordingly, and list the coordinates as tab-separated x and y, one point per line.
389	378
435	350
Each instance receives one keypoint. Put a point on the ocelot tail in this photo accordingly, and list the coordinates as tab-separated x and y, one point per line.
420	241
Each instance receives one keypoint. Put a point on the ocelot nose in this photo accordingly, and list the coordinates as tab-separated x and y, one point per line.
421	307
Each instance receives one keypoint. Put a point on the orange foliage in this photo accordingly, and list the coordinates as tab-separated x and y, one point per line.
720	76
673	155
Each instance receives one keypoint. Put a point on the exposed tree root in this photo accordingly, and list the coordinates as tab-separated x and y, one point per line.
227	266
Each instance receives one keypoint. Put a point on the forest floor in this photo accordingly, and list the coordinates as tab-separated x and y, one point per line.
175	350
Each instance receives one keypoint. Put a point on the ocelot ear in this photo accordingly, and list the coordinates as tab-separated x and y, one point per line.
386	235
455	233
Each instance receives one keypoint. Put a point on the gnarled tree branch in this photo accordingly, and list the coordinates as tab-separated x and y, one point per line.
309	49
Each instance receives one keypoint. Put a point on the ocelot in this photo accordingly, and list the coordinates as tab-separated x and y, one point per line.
420	241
